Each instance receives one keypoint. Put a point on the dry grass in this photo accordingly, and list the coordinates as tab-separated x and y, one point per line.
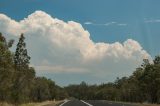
46	103
136	104
144	104
5	104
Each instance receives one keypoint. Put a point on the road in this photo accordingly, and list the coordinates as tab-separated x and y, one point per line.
73	103
92	103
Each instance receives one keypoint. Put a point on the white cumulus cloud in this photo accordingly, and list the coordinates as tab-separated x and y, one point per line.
66	47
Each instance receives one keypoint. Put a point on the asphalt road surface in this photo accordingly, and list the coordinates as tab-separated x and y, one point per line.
92	103
73	103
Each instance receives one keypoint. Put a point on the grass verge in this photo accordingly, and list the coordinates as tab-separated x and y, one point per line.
137	104
46	103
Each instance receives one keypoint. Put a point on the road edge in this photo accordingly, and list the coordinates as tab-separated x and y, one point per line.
64	102
86	103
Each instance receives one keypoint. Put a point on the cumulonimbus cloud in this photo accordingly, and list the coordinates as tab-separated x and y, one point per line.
66	46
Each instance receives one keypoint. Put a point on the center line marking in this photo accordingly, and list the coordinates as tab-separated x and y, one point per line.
86	103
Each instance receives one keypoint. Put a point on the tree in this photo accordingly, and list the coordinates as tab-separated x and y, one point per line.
6	68
24	74
151	80
18	83
40	91
45	89
21	58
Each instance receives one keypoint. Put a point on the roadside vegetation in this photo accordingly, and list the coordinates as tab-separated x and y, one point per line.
46	103
142	86
19	84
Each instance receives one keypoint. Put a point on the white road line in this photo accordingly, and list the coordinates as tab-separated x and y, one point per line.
64	102
86	103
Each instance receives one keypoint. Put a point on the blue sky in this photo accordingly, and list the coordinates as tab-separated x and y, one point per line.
107	21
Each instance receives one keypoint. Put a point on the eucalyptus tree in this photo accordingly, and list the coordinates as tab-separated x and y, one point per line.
6	68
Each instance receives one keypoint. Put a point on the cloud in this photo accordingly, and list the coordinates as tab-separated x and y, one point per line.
88	23
66	47
91	23
106	24
152	21
60	69
122	24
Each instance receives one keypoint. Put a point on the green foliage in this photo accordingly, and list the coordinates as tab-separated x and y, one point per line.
24	75
18	83
142	86
6	69
21	58
151	80
45	89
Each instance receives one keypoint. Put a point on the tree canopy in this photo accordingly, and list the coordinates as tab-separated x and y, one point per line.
19	83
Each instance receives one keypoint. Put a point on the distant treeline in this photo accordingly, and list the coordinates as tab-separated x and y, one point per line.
18	83
142	86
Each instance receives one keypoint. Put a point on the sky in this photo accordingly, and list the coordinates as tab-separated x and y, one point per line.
95	41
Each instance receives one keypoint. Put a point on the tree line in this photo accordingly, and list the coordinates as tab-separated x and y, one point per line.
18	83
142	86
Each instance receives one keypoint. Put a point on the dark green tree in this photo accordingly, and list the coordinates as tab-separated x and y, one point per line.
21	58
24	74
151	80
18	83
6	68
